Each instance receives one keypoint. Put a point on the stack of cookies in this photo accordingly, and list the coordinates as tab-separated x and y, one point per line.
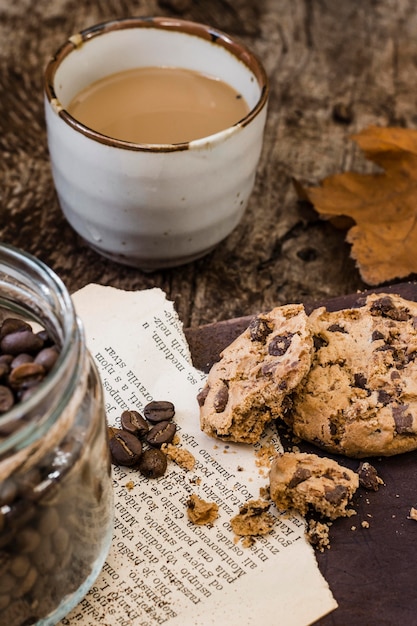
345	381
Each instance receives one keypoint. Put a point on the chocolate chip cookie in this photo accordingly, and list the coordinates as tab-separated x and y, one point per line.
307	483
359	397
247	388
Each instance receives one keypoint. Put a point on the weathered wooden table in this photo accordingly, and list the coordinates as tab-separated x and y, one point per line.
334	68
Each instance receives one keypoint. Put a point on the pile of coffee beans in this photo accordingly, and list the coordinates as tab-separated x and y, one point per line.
52	521
138	442
54	515
26	358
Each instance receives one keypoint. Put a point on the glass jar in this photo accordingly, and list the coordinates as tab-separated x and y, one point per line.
56	502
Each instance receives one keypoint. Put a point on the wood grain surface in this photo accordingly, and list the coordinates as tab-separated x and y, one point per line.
334	67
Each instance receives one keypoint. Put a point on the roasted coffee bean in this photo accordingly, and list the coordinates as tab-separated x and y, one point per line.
6	399
24	394
153	463
21	358
20	565
163	432
125	448
134	423
159	411
5	362
26	375
25	359
23	341
47	341
8	491
13	325
27	540
47	357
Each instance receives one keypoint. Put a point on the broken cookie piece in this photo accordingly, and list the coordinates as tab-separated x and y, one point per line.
253	519
182	457
248	387
317	534
306	482
200	512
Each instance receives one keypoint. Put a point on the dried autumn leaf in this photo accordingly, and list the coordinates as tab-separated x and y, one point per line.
383	205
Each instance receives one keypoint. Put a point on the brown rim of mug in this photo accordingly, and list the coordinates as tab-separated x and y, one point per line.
239	50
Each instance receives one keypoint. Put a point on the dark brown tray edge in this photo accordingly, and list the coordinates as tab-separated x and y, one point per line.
207	341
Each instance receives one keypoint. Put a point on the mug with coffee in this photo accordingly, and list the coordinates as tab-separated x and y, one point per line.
155	129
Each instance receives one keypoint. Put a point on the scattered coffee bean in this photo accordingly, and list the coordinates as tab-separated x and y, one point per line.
163	432
134	423
126	442
159	411
153	463
125	448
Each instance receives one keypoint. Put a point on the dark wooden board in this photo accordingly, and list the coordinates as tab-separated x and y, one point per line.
371	571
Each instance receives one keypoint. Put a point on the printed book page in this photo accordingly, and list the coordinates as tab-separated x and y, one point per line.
162	568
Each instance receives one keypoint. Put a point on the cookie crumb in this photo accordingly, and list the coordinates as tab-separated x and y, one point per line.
253	519
180	456
365	524
317	534
413	514
264	493
368	477
265	455
130	485
247	542
200	512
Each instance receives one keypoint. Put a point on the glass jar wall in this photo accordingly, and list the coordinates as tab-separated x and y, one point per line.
56	507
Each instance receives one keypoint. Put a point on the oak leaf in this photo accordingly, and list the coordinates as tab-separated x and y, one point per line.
383	205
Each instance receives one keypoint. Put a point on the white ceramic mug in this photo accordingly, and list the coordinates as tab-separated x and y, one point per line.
153	205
